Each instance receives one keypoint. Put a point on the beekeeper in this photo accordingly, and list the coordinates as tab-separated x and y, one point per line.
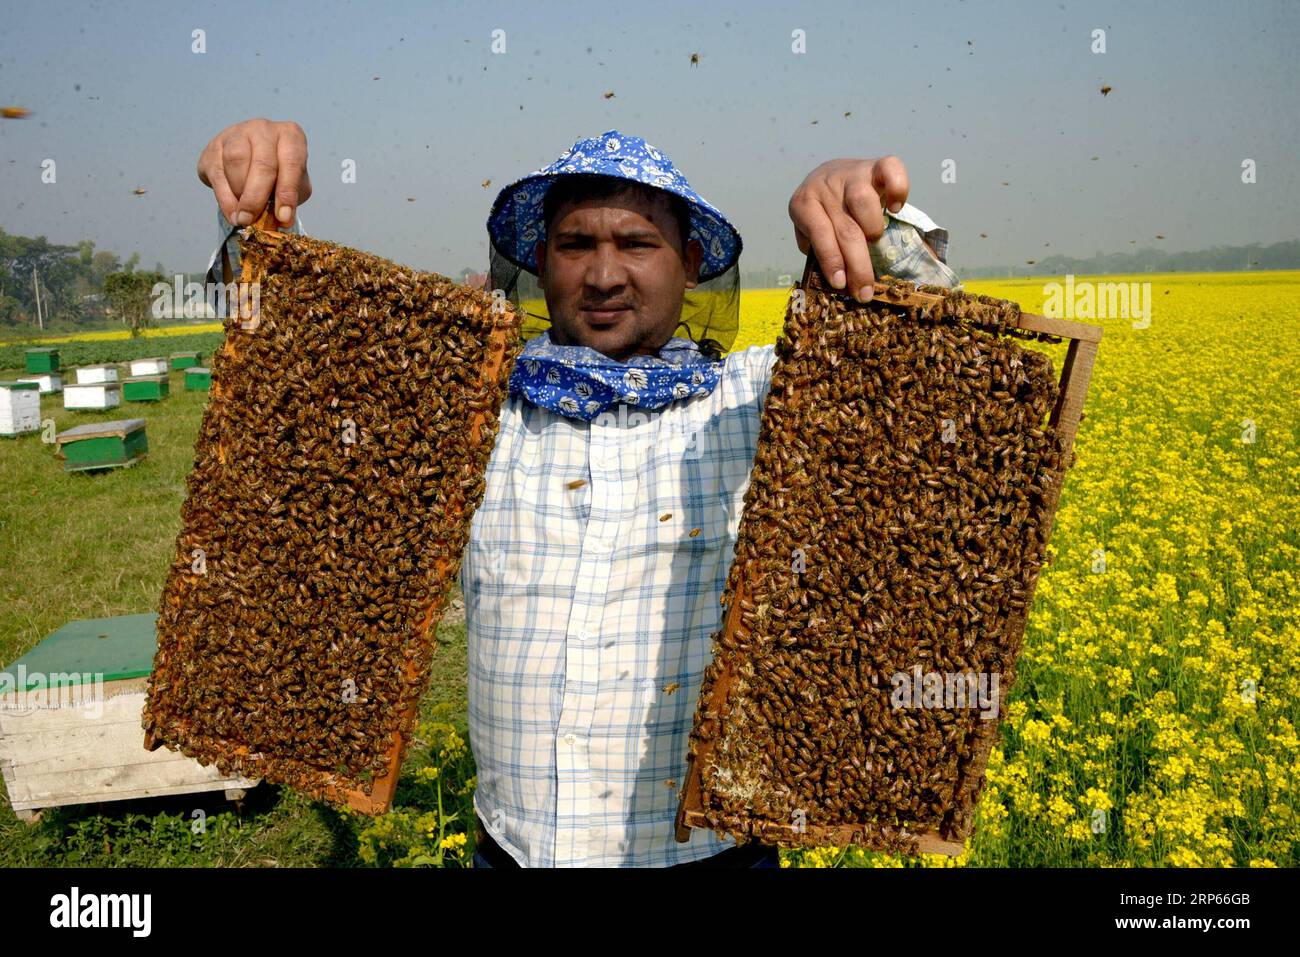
598	556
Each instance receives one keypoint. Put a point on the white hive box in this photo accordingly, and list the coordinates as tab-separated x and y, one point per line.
48	381
94	395
70	722
157	365
20	408
92	374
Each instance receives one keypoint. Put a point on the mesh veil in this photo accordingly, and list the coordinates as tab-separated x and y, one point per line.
710	311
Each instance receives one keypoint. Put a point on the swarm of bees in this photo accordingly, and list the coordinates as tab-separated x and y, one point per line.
895	524
340	459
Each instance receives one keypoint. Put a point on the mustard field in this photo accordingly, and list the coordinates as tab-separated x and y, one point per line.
1153	719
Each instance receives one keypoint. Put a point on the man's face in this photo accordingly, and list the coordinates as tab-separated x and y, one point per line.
614	274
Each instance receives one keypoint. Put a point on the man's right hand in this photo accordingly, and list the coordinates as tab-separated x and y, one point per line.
244	162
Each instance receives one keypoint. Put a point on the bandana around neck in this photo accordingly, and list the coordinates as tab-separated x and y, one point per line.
580	383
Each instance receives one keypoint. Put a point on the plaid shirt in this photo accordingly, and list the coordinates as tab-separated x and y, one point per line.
592	582
590	613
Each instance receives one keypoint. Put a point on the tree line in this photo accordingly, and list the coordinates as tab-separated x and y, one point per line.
54	287
1249	258
1255	256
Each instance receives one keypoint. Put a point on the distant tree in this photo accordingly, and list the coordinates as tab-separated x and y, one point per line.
25	261
103	263
130	295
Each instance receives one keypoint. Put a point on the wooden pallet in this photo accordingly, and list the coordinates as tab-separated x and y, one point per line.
384	786
1076	373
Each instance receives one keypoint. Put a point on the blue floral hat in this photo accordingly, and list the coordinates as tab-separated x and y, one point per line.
710	310
516	222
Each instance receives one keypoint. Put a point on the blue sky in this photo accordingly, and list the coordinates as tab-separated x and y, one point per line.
1008	91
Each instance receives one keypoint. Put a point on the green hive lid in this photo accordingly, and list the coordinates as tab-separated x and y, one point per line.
197	370
147	378
118	648
185	355
97	430
20	385
43	349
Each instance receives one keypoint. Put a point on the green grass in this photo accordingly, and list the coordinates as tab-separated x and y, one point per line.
97	352
79	545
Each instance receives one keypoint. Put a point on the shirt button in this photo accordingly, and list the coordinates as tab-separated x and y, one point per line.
569	739
585	635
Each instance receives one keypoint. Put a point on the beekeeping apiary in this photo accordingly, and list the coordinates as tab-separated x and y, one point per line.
911	455
154	365
198	379
89	375
88	397
102	445
340	459
20	408
46	382
41	360
146	388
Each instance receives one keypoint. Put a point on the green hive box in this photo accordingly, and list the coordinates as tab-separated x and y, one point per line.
42	360
116	648
102	445
198	379
186	360
146	388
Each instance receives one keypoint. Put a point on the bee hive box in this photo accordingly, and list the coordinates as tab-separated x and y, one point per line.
20	408
70	722
146	388
155	365
47	382
341	457
83	397
90	375
102	445
42	360
185	360
198	379
910	460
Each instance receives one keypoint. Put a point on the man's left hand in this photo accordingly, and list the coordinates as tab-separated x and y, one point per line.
837	211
